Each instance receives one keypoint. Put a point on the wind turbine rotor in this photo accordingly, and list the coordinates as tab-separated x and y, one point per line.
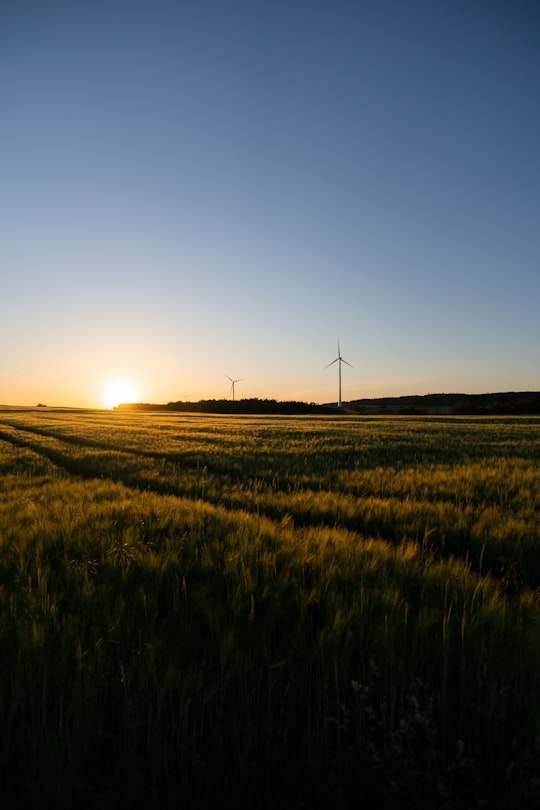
233	383
339	360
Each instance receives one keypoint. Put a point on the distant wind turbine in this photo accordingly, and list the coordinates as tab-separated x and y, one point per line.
339	360
233	383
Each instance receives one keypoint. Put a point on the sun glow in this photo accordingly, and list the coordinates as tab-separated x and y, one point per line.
120	392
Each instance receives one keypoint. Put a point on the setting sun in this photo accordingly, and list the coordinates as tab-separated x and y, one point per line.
120	391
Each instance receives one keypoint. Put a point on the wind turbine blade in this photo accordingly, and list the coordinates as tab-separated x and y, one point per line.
344	361
332	363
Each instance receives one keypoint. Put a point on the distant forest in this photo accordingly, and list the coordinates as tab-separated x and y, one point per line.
509	403
226	406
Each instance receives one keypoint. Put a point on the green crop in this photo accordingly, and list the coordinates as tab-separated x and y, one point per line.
276	612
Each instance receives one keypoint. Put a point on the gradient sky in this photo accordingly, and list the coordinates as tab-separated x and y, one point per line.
195	189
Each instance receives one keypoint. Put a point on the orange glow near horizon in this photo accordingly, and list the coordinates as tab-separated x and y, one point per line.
119	392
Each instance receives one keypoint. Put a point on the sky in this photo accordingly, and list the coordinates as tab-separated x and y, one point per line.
190	190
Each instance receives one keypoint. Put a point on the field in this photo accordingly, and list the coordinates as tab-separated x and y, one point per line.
269	612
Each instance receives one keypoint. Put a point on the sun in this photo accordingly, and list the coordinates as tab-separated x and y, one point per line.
120	392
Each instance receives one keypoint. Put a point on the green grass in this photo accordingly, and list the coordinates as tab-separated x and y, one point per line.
271	612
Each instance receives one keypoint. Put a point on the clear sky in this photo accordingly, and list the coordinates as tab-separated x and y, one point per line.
190	190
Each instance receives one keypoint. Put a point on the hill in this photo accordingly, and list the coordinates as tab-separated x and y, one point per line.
510	403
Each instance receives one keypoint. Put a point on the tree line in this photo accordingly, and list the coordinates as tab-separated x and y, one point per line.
240	406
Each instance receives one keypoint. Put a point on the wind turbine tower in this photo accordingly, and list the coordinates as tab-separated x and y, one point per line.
233	383
339	360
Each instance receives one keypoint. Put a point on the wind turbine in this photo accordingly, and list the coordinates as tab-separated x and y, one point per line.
339	360
233	383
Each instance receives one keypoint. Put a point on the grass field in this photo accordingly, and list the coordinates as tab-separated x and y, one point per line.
280	612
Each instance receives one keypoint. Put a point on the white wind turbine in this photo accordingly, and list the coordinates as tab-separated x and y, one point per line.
339	360
233	383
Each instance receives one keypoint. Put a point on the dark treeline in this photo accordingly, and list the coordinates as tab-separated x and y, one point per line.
229	406
507	403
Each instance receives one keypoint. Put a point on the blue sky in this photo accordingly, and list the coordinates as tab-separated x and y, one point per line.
196	189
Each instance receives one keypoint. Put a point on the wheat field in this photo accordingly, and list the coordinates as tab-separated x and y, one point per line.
273	612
